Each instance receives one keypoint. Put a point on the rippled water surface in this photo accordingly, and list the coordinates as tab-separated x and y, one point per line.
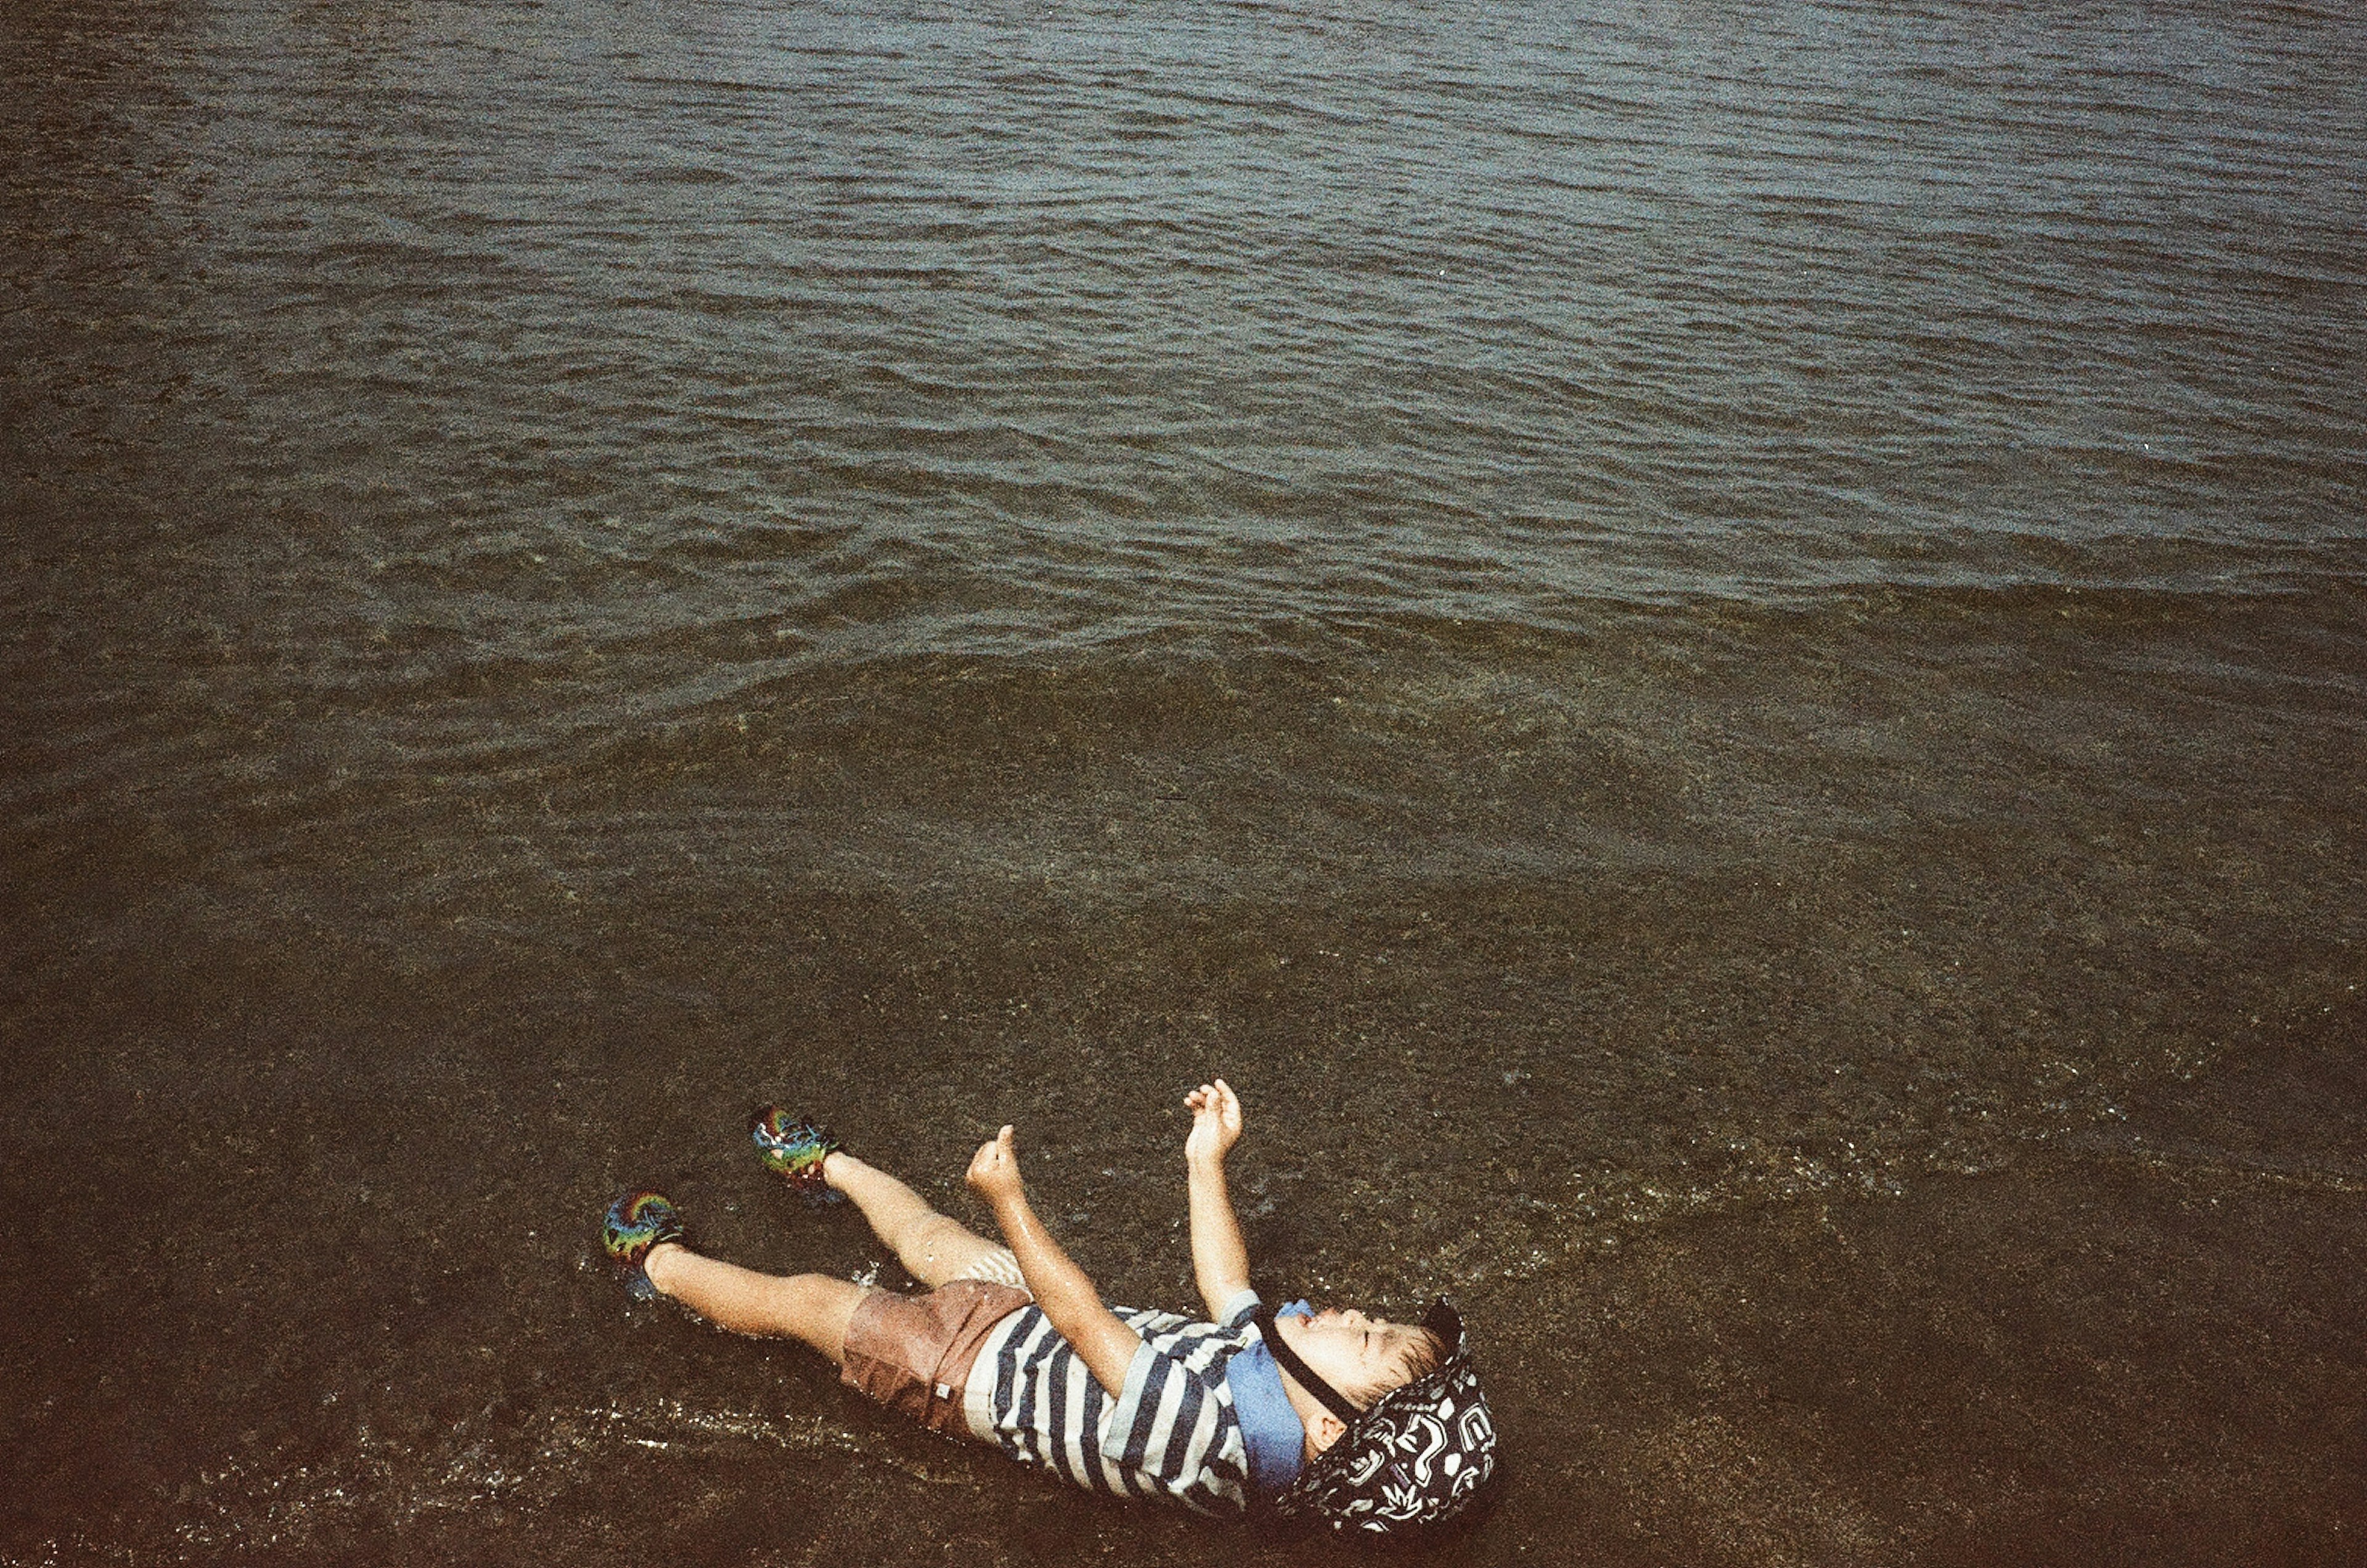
1719	652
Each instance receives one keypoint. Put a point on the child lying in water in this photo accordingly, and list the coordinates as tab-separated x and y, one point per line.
1328	1417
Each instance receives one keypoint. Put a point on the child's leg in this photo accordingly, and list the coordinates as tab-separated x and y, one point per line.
931	1248
811	1307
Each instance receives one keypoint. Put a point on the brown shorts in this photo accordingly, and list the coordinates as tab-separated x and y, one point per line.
913	1353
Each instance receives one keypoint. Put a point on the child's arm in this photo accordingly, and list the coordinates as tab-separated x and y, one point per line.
1220	1260
1099	1336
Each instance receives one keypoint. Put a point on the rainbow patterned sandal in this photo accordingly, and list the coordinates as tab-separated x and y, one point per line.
794	1150
635	1223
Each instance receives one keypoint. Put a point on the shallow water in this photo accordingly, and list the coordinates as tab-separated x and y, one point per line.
1716	652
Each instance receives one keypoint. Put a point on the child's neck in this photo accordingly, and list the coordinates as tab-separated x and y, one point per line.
1320	1425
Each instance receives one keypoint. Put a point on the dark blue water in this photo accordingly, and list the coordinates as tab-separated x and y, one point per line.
1718	652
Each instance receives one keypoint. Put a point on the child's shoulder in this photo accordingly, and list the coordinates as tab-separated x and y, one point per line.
1160	1328
1154	1320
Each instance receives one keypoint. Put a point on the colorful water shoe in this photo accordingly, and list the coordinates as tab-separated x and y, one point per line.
794	1150
635	1223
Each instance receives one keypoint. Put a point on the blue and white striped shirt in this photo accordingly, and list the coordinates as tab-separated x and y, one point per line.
1171	1431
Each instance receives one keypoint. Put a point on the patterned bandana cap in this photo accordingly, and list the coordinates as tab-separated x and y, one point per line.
1421	1455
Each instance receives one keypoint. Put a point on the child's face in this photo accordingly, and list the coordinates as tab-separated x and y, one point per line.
1361	1357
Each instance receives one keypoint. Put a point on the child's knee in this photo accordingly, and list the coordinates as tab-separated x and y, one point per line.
933	1233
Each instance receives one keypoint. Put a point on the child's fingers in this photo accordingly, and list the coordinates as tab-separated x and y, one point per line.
996	1164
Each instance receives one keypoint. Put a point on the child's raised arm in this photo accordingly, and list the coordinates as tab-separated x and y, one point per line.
1099	1336
1220	1260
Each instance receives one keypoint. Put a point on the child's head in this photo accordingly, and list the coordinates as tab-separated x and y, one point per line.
1414	1445
1363	1357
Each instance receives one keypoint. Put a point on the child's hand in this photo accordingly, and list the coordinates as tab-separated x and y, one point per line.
994	1169
1216	1120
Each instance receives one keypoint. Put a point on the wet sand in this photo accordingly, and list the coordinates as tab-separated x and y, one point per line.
2070	1363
